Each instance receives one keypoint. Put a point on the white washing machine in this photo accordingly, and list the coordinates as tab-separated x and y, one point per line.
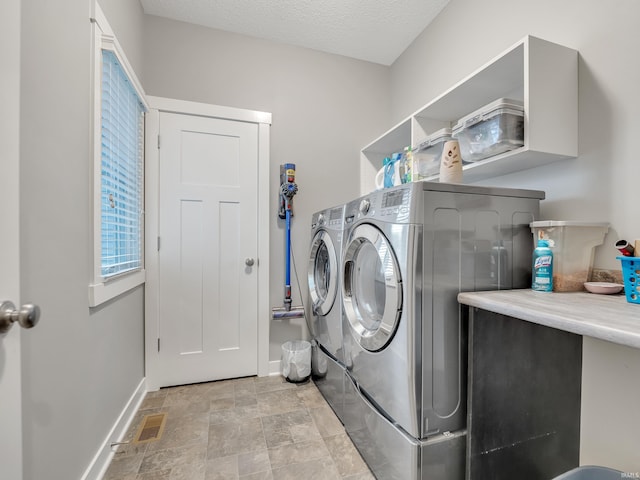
408	251
323	275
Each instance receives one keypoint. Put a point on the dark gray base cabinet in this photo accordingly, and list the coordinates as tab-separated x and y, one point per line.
524	399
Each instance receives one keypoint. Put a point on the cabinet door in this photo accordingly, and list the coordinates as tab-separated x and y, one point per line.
524	399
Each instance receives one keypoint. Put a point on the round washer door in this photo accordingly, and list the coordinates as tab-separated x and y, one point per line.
372	287
322	273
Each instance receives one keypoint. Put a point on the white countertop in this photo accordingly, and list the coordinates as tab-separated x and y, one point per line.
607	317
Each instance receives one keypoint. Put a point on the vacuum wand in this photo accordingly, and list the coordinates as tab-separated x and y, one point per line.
287	277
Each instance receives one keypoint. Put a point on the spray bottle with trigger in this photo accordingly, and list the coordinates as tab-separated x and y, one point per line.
288	189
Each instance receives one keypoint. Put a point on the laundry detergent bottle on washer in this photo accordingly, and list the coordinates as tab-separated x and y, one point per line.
407	158
397	168
388	172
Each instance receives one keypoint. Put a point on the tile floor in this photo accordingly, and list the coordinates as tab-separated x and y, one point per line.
248	428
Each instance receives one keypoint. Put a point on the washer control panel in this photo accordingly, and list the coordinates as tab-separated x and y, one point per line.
330	219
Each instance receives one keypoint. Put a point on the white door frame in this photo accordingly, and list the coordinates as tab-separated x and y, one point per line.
152	314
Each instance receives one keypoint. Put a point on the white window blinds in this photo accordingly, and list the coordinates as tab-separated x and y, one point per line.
122	140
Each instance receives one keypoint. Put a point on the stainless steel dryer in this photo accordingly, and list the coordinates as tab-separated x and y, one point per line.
408	251
325	257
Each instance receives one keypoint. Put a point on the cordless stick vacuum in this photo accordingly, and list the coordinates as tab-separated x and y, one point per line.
288	189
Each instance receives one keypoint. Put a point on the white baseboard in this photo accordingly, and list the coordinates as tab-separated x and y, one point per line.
98	466
274	368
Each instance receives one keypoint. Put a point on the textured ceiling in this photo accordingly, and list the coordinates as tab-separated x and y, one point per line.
372	30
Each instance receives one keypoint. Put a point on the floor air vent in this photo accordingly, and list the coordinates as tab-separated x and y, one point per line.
151	428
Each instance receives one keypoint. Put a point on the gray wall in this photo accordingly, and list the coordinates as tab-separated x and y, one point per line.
325	108
596	186
80	366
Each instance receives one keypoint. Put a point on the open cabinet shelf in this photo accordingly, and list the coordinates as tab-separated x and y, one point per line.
541	74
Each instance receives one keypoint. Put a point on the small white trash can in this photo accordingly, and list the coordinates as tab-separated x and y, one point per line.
296	360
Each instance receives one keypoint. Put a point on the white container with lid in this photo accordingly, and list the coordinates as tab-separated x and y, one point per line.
493	129
426	156
573	245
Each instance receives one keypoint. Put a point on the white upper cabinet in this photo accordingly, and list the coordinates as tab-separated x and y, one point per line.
543	75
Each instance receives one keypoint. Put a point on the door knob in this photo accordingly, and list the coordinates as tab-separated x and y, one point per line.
249	262
27	316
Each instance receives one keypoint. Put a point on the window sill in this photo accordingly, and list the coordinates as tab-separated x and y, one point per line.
105	291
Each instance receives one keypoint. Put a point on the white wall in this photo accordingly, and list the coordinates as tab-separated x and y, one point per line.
325	107
610	409
80	366
599	185
126	18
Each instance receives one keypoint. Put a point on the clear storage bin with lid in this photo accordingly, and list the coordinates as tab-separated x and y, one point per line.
573	246
493	129
426	156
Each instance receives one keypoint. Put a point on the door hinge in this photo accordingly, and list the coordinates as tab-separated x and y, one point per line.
158	142
158	244
158	344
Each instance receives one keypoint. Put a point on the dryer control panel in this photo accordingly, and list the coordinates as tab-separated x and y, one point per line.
390	205
395	205
393	199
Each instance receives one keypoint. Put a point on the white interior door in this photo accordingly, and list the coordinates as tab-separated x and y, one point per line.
10	365
208	282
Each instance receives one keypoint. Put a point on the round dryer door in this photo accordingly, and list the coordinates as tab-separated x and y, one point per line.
372	288
323	273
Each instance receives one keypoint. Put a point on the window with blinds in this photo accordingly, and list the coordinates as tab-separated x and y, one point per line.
122	145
